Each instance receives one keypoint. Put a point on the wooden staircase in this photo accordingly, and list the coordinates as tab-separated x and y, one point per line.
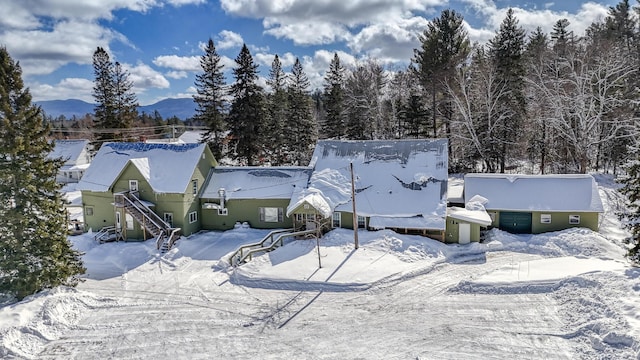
164	234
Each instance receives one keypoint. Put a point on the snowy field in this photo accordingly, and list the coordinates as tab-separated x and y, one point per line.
562	295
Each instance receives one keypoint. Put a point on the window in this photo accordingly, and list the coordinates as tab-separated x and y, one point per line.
129	220
336	220
574	219
193	217
168	218
361	221
271	214
223	212
545	218
88	211
194	186
133	185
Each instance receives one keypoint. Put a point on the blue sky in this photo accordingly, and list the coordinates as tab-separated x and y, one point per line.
159	41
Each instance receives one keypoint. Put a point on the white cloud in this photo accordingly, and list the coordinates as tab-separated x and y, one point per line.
390	43
286	59
69	88
45	35
180	63
311	22
309	32
186	2
42	52
530	19
176	74
229	39
144	77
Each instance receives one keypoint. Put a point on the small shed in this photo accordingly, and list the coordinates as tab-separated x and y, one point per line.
537	203
465	225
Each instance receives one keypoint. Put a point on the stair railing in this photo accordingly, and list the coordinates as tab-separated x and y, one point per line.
238	254
279	241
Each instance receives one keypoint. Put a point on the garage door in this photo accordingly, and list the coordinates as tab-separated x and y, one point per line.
515	222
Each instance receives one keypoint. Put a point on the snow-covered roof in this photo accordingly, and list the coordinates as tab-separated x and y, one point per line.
563	192
256	182
167	167
473	216
71	151
191	136
393	178
455	190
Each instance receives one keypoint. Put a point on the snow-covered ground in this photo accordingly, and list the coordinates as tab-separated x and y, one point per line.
562	295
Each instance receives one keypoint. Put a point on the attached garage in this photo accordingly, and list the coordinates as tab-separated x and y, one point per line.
532	204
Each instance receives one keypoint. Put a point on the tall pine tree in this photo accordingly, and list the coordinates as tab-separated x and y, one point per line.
631	189
301	131
116	104
334	125
506	51
444	47
103	93
247	114
126	102
210	99
35	252
274	129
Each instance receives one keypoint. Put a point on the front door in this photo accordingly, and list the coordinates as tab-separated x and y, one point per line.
464	233
118	221
168	218
310	221
515	222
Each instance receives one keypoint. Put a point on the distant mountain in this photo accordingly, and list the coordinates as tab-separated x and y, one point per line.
68	108
182	108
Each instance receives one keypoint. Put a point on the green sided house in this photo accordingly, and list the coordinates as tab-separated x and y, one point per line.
138	191
257	196
532	204
398	184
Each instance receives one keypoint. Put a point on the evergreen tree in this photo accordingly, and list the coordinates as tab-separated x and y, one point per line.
506	52
210	99
301	131
631	189
414	118
275	130
334	125
35	252
126	102
116	104
444	47
363	99
103	93
621	25
247	114
563	39
537	55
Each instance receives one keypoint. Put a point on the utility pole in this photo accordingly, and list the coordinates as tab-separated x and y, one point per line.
353	201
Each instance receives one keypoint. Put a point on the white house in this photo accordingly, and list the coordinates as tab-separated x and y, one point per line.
77	156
